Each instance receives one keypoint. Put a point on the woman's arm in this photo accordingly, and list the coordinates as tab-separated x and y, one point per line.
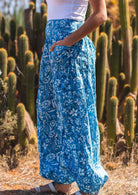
98	17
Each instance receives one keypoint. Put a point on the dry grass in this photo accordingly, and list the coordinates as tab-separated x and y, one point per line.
123	179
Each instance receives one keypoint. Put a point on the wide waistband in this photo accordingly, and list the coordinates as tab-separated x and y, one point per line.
65	19
57	27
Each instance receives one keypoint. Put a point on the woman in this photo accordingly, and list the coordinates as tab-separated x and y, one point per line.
67	126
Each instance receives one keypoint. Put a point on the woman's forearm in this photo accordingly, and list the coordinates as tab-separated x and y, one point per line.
98	17
89	25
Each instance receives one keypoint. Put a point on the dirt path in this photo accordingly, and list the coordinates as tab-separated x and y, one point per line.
123	180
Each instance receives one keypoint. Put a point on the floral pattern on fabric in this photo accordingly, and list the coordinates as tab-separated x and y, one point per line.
67	126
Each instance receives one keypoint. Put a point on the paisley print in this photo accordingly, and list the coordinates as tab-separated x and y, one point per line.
67	126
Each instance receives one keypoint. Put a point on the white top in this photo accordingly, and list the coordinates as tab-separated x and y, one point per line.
73	9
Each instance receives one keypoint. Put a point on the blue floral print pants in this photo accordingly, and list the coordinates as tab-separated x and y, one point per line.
67	126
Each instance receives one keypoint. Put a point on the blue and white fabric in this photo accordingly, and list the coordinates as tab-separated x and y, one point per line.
67	125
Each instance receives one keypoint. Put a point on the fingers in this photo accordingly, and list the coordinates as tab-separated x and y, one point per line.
55	44
52	48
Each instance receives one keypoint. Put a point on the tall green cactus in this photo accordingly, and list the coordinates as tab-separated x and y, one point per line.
12	49
30	99
129	121
32	5
88	13
111	91
22	139
1	42
28	56
133	24
95	35
106	90
112	118
120	45
112	87
20	31
3	25
43	9
12	29
121	83
3	63
108	30
44	22
0	22
37	22
23	47
126	35
11	64
101	73
12	91
6	38
136	7
102	28
134	79
101	129
136	126
114	67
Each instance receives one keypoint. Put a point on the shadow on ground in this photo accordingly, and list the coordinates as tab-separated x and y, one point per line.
25	192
